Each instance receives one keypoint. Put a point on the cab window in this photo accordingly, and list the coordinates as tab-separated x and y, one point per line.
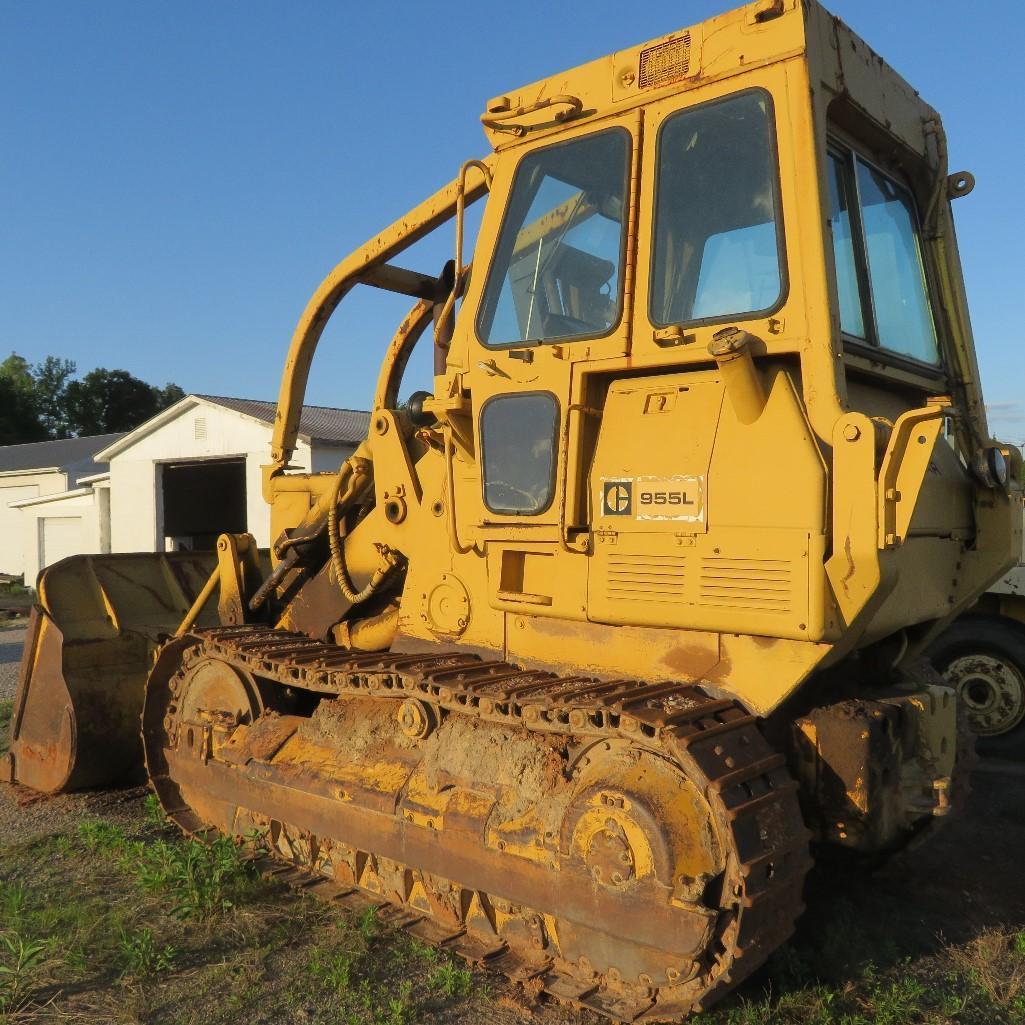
518	444
717	251
880	272
556	272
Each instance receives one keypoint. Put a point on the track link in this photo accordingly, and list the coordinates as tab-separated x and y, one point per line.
745	783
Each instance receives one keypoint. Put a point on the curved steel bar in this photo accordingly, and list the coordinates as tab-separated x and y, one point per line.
409	229
401	348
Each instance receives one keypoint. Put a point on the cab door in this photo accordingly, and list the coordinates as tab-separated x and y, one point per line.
707	519
720	163
551	298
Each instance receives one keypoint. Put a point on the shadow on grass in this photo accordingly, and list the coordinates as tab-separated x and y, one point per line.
936	935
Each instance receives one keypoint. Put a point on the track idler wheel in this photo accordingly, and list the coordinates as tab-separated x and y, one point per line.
198	702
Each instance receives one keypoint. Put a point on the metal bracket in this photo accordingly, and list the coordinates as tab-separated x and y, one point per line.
903	471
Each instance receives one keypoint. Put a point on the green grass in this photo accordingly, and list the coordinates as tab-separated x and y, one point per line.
133	923
371	974
128	924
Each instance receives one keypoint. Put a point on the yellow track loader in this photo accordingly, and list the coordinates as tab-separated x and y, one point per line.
577	659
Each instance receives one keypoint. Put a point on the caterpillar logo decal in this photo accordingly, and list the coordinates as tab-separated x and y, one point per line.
655	498
617	497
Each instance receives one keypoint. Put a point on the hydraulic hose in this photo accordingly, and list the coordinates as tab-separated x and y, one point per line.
355	470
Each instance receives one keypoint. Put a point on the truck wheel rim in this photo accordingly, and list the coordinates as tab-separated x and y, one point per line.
992	692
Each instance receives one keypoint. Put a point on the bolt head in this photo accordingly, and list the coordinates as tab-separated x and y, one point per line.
852	432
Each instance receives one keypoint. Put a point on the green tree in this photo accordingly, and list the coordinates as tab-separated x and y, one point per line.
168	395
45	401
50	382
19	412
18	371
106	401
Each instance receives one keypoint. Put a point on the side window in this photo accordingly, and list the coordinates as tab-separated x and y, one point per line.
852	318
880	270
556	272
518	445
717	233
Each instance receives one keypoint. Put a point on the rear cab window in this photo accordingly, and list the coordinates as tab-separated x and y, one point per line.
882	287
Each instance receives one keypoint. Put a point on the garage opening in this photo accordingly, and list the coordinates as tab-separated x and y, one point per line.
202	499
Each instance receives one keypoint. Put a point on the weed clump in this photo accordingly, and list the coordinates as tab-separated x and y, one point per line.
24	966
153	812
450	981
142	956
994	961
202	879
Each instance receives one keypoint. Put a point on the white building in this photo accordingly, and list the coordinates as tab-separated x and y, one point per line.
177	481
41	472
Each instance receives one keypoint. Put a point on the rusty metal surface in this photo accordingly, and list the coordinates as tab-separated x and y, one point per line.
76	710
655	862
87	654
876	773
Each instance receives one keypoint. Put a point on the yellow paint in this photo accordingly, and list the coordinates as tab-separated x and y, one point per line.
522	836
796	541
638	791
595	821
824	524
385	776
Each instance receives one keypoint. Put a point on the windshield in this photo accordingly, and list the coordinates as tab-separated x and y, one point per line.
716	250
556	272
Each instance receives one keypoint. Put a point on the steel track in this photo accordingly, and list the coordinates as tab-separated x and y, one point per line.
717	743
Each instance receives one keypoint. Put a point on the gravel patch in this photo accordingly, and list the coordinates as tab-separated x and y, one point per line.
26	815
12	639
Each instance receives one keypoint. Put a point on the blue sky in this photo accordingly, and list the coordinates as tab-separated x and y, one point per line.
176	178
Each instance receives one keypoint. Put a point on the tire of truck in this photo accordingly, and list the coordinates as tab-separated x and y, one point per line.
983	657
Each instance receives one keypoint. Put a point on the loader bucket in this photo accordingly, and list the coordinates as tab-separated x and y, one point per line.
89	647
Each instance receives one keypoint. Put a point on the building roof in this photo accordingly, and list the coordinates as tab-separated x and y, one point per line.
322	425
73	456
317	423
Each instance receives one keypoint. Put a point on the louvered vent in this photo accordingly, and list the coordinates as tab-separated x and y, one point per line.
666	62
762	585
200	428
649	578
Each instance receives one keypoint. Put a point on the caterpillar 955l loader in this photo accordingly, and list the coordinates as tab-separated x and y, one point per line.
573	660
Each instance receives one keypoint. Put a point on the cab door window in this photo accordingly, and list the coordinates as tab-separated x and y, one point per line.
518	445
556	272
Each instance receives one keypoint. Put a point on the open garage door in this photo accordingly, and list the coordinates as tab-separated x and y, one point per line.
202	498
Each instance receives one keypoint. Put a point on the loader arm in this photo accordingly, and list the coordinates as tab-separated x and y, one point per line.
366	265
